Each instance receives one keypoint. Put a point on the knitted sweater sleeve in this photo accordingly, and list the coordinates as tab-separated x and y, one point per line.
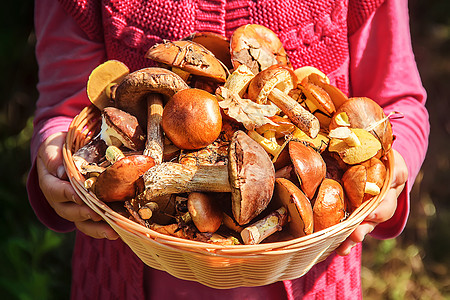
383	68
66	56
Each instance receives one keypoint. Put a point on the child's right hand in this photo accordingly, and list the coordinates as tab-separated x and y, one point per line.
60	194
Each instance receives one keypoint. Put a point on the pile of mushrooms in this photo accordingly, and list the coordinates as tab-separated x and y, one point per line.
224	142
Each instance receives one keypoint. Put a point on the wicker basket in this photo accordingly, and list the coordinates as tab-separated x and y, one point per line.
215	266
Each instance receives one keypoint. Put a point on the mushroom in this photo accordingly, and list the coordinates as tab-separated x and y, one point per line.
121	128
336	95
364	113
316	99
87	158
298	206
205	213
189	57
258	47
363	181
329	205
118	181
239	80
303	73
308	165
140	94
213	154
192	119
216	43
319	143
102	79
353	145
274	84
261	229
146	211
249	176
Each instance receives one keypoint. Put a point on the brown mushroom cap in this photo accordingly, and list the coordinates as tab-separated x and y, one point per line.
131	93
118	182
204	211
216	43
118	124
376	171
309	167
190	57
355	178
354	182
319	98
337	96
258	47
192	119
329	206
365	113
252	177
90	155
299	207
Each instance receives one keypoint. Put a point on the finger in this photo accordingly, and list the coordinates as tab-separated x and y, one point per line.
400	171
54	189
98	230
51	155
386	209
357	236
76	213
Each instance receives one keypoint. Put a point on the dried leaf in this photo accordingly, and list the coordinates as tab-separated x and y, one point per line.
249	113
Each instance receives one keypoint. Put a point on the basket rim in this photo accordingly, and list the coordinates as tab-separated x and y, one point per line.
82	128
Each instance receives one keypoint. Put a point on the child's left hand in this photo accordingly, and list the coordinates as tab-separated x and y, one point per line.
383	212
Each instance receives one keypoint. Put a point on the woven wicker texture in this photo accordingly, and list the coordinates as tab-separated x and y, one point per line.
216	266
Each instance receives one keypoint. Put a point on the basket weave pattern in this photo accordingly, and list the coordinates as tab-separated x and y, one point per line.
217	266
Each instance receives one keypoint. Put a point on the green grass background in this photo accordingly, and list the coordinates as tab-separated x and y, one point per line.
35	262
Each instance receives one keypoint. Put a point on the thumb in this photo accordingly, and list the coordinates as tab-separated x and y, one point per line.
51	154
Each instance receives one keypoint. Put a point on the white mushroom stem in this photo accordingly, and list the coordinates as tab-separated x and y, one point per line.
173	178
258	231
299	116
371	189
345	134
154	146
89	183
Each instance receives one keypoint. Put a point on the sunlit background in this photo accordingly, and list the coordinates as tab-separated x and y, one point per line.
35	262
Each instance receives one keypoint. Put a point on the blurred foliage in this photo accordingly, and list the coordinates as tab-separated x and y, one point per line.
36	261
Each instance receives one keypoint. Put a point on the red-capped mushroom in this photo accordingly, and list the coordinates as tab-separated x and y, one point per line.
118	181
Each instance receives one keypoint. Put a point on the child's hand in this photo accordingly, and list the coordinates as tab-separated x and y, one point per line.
384	211
60	194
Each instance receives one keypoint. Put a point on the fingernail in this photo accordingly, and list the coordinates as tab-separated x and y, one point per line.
60	172
104	234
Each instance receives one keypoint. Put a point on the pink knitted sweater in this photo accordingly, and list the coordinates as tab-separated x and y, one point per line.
364	48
